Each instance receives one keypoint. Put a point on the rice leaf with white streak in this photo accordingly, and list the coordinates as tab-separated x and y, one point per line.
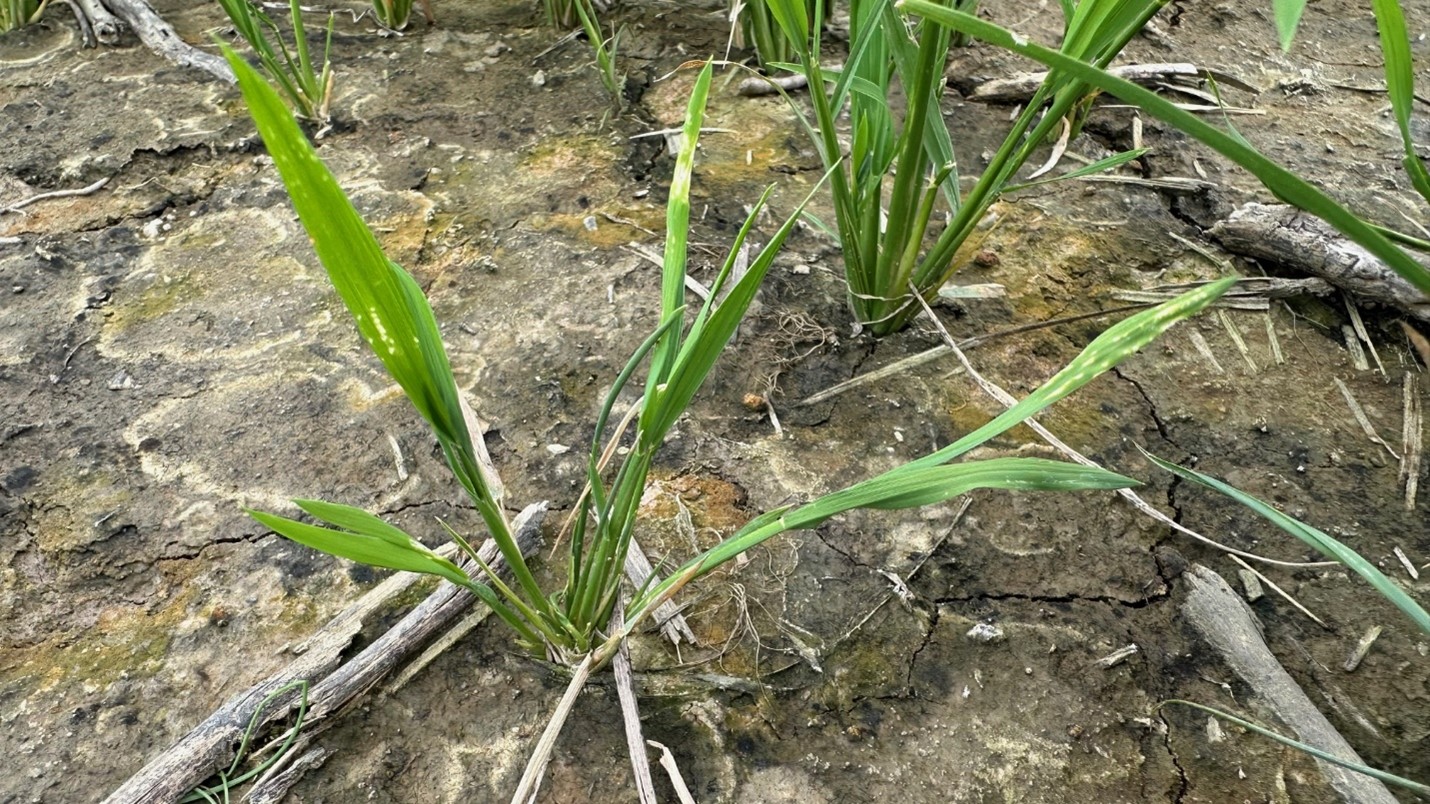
1119	342
390	310
906	486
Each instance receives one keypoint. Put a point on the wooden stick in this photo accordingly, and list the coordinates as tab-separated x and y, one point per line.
1020	88
1287	236
667	761
672	622
754	87
1231	629
210	745
160	37
1411	437
531	778
631	715
105	27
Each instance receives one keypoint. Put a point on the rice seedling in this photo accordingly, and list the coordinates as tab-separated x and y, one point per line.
753	23
392	14
578	625
605	51
887	186
309	90
16	14
561	14
1287	186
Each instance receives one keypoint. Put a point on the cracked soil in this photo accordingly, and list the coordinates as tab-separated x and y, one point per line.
170	351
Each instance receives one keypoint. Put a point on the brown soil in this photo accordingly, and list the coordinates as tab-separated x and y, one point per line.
171	352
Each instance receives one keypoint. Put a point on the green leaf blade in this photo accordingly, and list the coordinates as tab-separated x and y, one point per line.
1323	543
903	487
389	308
374	551
1286	185
1119	342
1287	14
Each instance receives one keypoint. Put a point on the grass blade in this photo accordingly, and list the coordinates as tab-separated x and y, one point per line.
677	228
1388	778
390	310
904	487
386	303
1323	543
1288	16
1400	84
377	551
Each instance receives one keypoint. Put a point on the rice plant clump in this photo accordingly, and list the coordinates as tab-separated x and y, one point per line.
16	14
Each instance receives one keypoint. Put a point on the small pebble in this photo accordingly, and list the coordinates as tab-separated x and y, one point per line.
985	632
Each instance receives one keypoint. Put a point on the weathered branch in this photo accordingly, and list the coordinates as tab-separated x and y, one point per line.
1230	627
160	37
106	27
210	746
1298	240
1020	88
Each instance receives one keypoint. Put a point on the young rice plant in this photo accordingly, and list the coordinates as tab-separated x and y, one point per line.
392	14
1289	188
574	624
16	14
889	181
307	89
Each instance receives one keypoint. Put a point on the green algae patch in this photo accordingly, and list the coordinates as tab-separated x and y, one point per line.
124	643
604	226
160	297
79	509
566	158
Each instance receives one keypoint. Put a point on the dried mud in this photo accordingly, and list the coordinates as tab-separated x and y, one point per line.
171	352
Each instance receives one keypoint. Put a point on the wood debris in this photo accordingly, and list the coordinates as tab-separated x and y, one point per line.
1362	419
1231	629
1362	648
1020	88
1411	437
1407	563
1286	236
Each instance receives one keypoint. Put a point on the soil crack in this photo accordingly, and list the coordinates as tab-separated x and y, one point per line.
1162	429
930	627
1183	785
1068	598
197	553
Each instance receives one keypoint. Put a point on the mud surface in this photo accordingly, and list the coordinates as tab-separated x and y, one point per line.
171	352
